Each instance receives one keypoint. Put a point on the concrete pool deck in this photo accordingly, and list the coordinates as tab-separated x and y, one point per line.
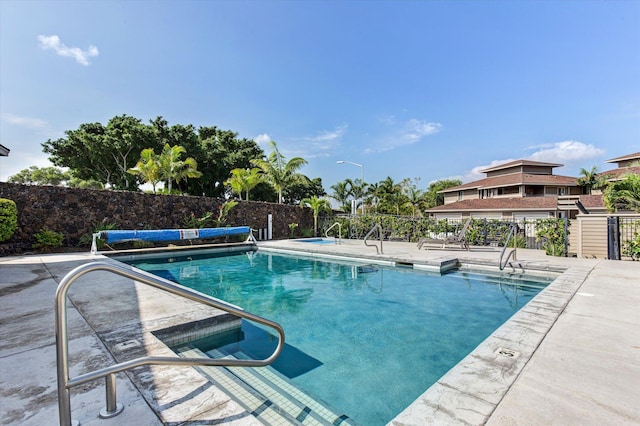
571	356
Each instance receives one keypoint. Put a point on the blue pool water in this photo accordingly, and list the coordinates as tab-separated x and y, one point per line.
366	339
317	241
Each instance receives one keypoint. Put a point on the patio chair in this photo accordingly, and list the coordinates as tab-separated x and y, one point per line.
458	238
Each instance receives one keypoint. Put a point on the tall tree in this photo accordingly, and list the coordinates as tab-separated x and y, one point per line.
358	190
102	153
148	168
342	193
297	191
317	205
414	196
590	180
433	197
35	175
172	167
219	152
281	174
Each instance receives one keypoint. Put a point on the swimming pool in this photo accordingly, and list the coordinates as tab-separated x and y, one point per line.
365	338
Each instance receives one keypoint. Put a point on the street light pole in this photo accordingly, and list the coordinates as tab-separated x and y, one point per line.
361	176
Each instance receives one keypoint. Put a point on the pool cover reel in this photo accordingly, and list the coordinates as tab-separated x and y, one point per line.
119	236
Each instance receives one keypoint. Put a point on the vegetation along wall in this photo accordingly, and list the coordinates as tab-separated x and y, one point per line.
77	212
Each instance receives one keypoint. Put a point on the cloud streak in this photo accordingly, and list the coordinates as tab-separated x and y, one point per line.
406	133
53	43
323	144
567	153
28	122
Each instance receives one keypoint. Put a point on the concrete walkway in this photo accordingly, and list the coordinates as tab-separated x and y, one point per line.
574	350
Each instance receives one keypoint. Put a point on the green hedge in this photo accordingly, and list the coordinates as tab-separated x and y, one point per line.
8	219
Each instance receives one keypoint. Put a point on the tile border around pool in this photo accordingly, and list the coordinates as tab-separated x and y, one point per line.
316	255
469	392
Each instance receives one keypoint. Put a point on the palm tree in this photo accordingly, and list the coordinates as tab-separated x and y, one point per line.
244	180
358	190
590	179
172	168
277	173
415	198
147	168
317	205
341	193
623	194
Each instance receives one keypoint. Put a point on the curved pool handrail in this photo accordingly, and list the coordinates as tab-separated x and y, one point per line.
326	233
65	383
366	237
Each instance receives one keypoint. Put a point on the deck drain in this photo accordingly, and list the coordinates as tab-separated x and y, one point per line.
129	344
507	353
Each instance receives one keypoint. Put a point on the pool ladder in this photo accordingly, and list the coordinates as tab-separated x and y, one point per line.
113	408
512	233
326	233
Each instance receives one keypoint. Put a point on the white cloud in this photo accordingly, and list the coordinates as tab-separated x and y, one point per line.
328	135
323	144
407	133
566	152
262	139
81	56
477	174
29	122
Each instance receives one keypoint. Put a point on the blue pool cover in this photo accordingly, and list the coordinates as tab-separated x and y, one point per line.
117	236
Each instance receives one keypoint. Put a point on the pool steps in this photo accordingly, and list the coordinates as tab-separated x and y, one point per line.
265	394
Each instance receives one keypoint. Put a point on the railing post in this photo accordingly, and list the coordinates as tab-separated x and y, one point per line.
566	236
113	408
613	238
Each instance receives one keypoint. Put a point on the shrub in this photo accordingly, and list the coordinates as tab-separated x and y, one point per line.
631	247
552	234
8	219
47	239
292	229
87	239
193	222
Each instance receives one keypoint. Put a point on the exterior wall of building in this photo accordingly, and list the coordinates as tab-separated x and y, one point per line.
507	171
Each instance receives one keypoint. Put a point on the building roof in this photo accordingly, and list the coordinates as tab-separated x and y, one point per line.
634	156
4	151
616	174
519	163
514	179
514	204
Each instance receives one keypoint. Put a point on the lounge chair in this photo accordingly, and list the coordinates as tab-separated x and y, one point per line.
457	238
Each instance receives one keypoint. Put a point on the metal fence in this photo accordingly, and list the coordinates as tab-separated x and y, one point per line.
547	234
623	237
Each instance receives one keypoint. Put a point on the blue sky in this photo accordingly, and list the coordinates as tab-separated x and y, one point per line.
408	89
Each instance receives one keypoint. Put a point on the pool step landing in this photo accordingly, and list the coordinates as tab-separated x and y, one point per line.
267	395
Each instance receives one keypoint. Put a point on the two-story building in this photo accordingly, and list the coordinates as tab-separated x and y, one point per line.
516	190
629	163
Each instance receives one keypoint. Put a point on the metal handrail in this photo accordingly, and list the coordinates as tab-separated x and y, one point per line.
506	244
65	383
326	233
379	228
